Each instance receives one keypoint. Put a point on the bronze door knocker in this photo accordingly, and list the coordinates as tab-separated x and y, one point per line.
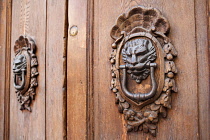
142	67
25	71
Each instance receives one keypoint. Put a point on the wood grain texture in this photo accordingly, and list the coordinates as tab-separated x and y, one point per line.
109	123
2	63
8	69
208	18
76	71
55	70
201	12
30	20
90	58
77	87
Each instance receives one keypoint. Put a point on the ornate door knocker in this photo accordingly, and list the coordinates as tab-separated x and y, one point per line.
25	71
142	67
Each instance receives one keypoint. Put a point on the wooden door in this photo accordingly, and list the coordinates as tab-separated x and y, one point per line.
91	109
73	98
45	22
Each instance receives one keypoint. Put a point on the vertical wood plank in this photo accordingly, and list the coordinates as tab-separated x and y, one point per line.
182	120
108	123
208	18
201	13
8	69
55	70
90	58
29	17
2	63
76	71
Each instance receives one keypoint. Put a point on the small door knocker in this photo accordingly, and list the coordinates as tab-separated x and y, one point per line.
25	71
142	67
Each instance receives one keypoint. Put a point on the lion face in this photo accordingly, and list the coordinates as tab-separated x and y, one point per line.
136	54
18	64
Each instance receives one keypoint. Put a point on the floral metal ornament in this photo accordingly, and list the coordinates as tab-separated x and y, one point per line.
142	67
25	71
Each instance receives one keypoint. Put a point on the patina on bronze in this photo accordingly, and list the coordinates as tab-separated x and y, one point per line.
25	71
138	55
142	52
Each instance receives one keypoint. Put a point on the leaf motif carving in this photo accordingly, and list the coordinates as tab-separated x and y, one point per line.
170	67
170	84
169	48
25	46
129	45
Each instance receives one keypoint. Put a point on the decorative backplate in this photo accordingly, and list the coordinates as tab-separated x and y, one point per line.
142	67
25	71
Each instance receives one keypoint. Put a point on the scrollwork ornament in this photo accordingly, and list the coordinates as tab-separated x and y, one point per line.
25	71
143	52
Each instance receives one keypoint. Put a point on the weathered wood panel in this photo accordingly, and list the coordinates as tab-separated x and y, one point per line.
2	63
90	59
109	123
91	110
76	71
55	70
201	13
29	18
7	68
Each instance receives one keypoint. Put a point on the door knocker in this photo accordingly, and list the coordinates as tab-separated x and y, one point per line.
142	67
25	71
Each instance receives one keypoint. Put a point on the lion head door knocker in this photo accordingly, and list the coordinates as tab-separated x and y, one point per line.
25	71
142	67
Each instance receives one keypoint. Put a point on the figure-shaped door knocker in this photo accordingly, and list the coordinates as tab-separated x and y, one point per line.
142	68
25	71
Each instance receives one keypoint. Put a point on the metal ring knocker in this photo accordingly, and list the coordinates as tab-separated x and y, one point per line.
25	71
139	96
19	70
21	86
141	49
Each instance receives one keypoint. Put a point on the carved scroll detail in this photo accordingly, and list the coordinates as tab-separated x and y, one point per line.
25	71
140	37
